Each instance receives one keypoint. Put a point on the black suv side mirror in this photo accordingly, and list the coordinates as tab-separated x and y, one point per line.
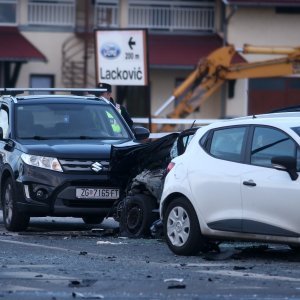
286	163
140	133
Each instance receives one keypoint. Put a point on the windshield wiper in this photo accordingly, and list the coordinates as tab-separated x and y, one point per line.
35	137
87	137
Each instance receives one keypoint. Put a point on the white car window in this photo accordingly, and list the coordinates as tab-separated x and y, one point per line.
227	143
269	142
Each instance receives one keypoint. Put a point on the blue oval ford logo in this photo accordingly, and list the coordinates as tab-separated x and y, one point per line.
110	50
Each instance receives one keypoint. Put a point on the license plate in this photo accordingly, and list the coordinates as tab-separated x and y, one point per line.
94	193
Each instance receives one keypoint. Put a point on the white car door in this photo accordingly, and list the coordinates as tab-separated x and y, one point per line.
214	177
271	199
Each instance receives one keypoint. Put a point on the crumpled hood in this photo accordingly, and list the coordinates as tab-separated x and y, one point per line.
131	160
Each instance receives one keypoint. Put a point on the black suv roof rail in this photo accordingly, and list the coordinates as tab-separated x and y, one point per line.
74	91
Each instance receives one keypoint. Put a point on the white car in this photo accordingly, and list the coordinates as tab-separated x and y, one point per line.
237	180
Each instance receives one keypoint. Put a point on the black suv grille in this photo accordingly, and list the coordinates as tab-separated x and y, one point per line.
82	165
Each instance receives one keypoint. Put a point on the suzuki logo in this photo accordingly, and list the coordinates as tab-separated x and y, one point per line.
97	167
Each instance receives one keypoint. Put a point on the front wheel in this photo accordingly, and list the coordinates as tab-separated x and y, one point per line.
295	248
181	227
137	215
12	218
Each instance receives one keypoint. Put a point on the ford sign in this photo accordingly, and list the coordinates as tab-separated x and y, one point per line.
110	50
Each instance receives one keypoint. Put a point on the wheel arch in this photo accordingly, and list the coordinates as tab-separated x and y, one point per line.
173	196
196	241
5	175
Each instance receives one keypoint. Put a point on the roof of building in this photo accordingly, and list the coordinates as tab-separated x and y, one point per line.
183	51
263	2
15	47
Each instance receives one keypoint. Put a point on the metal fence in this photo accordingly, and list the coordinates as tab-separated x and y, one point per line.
157	15
172	15
106	14
60	13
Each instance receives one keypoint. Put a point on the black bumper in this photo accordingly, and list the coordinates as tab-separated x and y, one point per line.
59	194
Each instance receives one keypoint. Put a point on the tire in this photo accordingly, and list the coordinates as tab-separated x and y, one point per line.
137	215
92	219
295	248
182	229
12	218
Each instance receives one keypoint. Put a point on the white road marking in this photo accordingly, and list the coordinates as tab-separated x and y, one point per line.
249	275
48	247
29	266
32	275
197	265
19	288
109	243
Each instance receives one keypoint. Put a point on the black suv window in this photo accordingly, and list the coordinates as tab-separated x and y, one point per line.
269	142
227	143
61	120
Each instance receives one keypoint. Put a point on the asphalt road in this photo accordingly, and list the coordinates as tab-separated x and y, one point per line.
60	258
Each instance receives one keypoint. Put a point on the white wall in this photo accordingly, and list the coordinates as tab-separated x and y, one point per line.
261	27
237	106
50	44
163	85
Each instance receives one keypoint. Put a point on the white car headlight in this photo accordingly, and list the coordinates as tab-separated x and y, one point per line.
50	163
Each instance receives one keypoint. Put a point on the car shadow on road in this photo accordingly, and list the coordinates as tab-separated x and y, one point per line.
70	226
260	252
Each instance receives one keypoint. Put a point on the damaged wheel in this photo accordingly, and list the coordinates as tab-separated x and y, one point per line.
93	219
182	229
137	215
12	218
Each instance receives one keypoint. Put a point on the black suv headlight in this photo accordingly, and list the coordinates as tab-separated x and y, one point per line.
44	162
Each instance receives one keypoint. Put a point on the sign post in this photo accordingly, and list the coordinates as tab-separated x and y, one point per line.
121	57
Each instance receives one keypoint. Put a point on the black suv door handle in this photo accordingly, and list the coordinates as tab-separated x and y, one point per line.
249	183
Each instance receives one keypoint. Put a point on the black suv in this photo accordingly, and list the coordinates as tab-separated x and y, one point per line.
55	156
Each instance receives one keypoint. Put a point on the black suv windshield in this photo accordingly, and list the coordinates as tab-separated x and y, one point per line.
69	120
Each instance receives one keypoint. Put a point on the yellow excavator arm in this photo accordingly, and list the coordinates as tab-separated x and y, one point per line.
214	70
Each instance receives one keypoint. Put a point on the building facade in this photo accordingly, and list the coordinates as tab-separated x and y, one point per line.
53	46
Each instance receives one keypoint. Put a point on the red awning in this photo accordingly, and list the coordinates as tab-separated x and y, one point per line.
182	51
16	48
263	2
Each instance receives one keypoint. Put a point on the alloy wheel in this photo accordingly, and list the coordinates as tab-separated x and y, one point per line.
178	226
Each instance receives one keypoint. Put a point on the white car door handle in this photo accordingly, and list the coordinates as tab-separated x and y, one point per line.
249	183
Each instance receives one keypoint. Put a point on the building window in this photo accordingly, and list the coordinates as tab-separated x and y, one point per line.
41	81
8	12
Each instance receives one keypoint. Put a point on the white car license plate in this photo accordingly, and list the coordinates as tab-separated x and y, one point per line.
94	193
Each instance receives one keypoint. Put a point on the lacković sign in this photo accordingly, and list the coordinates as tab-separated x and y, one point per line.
121	57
